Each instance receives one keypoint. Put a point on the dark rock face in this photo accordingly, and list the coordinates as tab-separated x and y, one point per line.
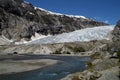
21	20
116	37
116	32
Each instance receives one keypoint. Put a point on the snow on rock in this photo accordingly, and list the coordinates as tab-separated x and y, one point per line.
22	41
54	13
38	36
4	40
88	34
33	38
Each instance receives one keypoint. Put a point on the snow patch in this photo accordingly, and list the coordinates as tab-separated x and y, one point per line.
38	36
54	13
33	38
22	41
26	2
5	39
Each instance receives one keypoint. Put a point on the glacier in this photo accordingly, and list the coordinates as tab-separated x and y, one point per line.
83	35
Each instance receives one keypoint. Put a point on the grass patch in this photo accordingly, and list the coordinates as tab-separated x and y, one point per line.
77	49
89	66
66	52
75	78
96	55
59	51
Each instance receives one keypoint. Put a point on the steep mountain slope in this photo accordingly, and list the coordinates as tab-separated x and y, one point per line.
20	20
116	32
116	38
88	34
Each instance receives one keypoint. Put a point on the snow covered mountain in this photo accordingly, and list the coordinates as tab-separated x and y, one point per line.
88	34
21	20
62	15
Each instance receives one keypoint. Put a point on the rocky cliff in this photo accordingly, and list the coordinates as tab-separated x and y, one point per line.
116	37
19	19
116	32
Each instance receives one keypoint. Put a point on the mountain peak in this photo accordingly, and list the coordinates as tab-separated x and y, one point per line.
59	14
21	20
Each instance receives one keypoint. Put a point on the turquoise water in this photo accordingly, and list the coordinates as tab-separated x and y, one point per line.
66	65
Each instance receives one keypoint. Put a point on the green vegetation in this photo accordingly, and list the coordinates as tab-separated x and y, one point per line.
77	49
89	66
118	55
96	55
74	49
66	52
92	78
57	51
75	78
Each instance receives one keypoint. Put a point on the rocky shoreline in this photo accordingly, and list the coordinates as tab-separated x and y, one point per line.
110	72
103	67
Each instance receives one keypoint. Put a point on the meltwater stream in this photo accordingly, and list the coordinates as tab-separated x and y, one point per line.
65	66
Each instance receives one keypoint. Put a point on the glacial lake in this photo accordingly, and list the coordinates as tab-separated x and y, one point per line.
65	66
